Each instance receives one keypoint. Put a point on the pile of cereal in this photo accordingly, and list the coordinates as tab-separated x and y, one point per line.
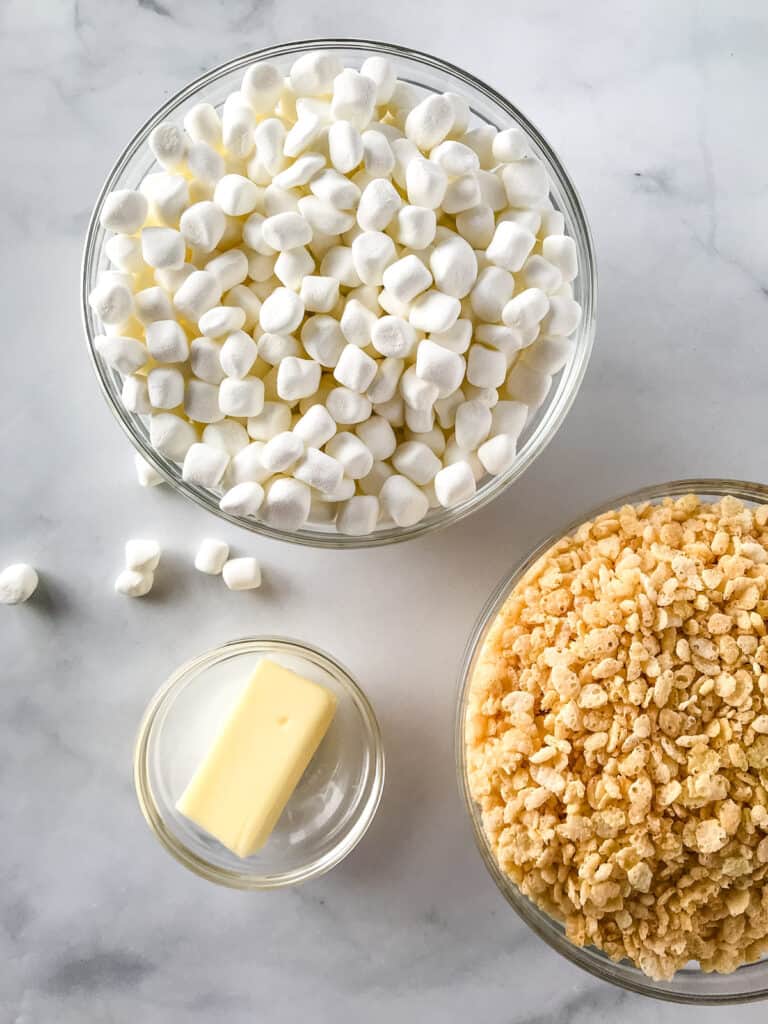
617	734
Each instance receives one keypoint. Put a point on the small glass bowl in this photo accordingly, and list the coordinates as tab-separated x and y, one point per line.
428	74
691	985
330	809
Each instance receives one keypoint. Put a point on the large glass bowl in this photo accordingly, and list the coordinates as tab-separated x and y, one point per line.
690	985
429	74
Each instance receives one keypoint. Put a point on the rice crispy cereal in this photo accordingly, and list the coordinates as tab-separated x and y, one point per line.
617	734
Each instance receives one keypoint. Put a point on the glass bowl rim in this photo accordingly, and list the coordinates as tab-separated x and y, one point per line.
554	413
594	962
167	692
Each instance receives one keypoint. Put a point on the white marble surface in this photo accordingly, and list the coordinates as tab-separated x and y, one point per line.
658	111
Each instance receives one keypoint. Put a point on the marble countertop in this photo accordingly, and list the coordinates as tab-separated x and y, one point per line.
657	110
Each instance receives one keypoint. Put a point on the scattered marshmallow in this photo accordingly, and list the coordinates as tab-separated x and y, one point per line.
132	583
211	556
241	574
142	555
146	475
18	583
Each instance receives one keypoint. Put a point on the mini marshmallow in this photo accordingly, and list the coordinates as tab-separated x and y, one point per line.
315	427
378	204
343	491
236	195
426	183
229	269
454	266
548	355
353	454
498	454
18	583
433	438
415	226
345	146
486	368
402	501
168	145
378	437
335	189
429	122
205	163
406	278
509	418
162	248
434	311
383	75
319	470
454	484
242	573
461	114
242	398
417	393
323	340
528	219
507	340
417	461
301	171
338	263
476	225
355	369
285	231
461	194
204	466
272	348
273	418
126	355
455	158
146	475
393	337
123	210
293	266
261	271
445	409
372	254
201	402
492	190
489	396
196	295
202	124
221	320
527	385
131	583
403	99
357	322
228	435
313	74
404	151
246	465
211	556
152	304
237	126
111	299
493	290
170	435
319	294
269	139
563	316
358	516
302	135
510	246
281	312
456	338
124	253
418	421
439	366
372	484
525	182
453	454
560	251
347	406
378	158
237	355
261	86
243	499
172	280
165	387
510	145
282	451
552	222
527	309
167	342
168	197
354	98
384	386
297	378
142	555
134	394
392	305
472	424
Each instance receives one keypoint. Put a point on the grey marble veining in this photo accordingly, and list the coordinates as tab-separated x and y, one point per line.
657	109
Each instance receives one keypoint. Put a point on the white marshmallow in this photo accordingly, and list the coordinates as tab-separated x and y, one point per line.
246	465
528	219
131	583
528	385
319	470
211	556
237	355
461	194
384	386
146	475
492	291
167	342
243	499
526	310
228	435
454	484
372	253
134	394
393	337
426	183
510	246
563	316
357	323
498	454
282	451
473	424
454	266
417	393
269	138
510	145
525	182
237	126
272	348
353	454
331	187
434	311
354	98
540	273
490	396
305	133
170	435
202	124
480	139
286	231
201	402
492	190
242	573
262	86
297	378
456	338
548	355
196	295
403	99
343	491
453	454
236	195
383	75
204	466
124	252
486	368
292	267
552	222
162	248
205	163
172	280
142	555
560	250
152	304
347	406
301	171
315	427
241	398
229	269
509	418
461	114
324	218
168	145
355	369
445	409
202	225
433	438
372	484
322	339
18	583
221	320
345	146
439	366
402	501
392	305
168	197
404	151
378	204
417	461
286	504
319	294
392	411
111	299
416	226
274	417
165	387
455	158
476	225
507	340
358	516
378	437
338	263
281	312
406	278
378	158
123	210
126	355
429	122
280	200
312	74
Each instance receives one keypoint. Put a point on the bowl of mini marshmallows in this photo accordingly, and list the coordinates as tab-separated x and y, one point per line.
339	293
612	741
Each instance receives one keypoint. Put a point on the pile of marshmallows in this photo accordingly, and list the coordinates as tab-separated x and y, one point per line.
337	302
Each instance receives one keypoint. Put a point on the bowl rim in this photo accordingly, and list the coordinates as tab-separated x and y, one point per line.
623	974
562	398
373	782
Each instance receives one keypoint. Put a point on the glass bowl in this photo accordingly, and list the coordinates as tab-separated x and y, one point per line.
429	74
690	985
330	809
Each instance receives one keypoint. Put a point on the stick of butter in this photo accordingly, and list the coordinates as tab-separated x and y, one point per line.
254	764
